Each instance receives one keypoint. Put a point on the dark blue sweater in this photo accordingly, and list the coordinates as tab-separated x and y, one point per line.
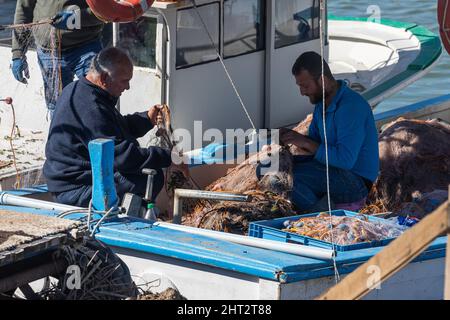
85	112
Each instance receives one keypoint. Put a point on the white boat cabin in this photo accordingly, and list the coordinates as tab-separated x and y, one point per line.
258	40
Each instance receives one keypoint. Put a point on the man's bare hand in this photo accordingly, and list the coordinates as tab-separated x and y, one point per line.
304	143
153	113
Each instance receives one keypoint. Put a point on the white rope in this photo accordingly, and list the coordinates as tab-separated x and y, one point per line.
88	212
223	65
101	220
322	16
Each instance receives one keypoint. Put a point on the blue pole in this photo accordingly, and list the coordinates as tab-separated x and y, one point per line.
104	196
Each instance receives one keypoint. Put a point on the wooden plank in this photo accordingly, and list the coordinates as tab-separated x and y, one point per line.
30	249
18	228
447	259
392	258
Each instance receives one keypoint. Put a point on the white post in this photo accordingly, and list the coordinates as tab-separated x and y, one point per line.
297	249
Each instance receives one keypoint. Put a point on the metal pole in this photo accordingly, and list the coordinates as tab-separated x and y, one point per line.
200	194
12	200
298	249
115	43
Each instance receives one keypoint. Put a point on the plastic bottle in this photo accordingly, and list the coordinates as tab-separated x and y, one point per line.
152	212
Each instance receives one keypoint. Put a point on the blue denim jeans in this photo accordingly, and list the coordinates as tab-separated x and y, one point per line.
310	184
131	183
58	72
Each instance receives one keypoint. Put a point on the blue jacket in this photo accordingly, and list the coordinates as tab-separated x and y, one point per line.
85	112
351	132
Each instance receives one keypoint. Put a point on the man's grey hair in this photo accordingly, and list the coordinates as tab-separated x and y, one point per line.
108	60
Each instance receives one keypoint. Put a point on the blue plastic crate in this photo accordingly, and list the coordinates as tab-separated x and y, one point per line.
271	230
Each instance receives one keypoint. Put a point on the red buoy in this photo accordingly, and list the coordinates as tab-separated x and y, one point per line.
7	100
119	10
444	22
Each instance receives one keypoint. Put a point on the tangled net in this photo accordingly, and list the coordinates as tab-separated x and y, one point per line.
414	158
103	275
344	230
161	134
234	217
270	193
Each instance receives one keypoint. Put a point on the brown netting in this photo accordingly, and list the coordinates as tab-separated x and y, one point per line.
302	128
414	158
414	174
270	194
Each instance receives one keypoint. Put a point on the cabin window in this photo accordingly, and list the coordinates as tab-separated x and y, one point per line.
243	27
296	21
193	42
139	39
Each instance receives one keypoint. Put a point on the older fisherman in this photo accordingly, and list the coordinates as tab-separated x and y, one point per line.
86	111
352	141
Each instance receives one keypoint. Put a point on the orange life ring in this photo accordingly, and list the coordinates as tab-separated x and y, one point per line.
444	22
119	10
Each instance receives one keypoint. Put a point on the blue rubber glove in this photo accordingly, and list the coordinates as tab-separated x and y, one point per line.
20	70
65	20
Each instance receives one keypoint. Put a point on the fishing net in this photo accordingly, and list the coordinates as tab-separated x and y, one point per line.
27	35
414	158
22	151
302	128
103	275
269	191
414	167
423	203
344	230
161	136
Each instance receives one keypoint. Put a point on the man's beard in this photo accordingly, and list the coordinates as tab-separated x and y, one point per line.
316	98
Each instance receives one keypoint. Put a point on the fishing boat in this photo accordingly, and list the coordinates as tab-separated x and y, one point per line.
205	266
258	40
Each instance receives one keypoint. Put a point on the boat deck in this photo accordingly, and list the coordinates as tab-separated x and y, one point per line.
140	236
23	235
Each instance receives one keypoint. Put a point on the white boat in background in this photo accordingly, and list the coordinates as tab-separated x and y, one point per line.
378	59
